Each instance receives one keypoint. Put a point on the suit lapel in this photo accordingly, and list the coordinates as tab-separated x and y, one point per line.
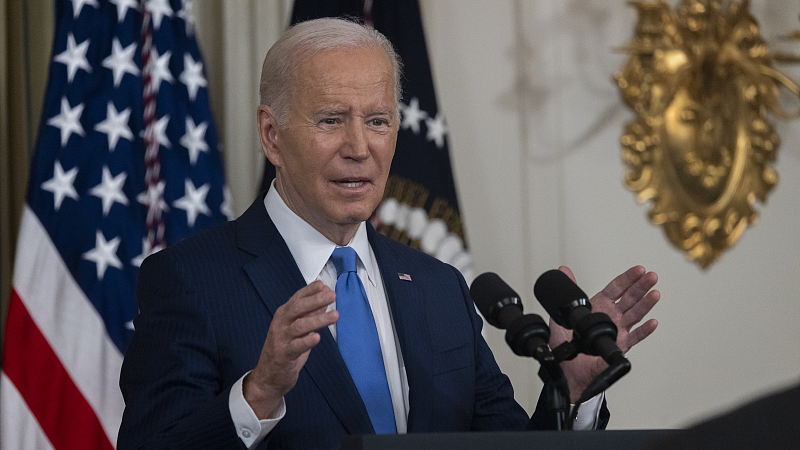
276	277
408	313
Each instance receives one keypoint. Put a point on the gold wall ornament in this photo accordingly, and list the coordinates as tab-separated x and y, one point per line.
701	147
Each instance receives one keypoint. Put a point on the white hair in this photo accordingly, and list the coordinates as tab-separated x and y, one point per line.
306	39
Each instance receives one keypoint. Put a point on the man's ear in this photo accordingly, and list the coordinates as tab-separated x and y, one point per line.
268	134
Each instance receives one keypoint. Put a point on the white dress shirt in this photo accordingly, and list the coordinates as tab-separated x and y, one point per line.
311	251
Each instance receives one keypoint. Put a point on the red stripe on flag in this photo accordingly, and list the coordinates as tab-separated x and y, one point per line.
31	364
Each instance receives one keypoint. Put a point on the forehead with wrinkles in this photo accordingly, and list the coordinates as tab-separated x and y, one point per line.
339	80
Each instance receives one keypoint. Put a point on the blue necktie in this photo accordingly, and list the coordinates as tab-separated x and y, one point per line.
358	342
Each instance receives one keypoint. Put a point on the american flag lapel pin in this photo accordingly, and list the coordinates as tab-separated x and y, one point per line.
404	276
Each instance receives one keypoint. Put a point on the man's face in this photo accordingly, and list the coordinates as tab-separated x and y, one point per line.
333	156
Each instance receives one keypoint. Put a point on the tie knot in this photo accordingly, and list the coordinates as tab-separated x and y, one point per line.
344	259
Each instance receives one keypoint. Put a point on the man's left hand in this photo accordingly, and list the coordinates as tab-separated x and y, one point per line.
626	300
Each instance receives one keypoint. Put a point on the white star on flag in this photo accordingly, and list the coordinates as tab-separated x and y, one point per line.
193	202
187	14
122	7
160	70
61	184
104	254
158	9
121	61
192	75
153	198
160	132
68	121
74	57
195	139
436	130
110	190
412	115
77	6
115	125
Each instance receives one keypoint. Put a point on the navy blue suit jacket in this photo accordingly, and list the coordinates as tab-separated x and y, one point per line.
205	307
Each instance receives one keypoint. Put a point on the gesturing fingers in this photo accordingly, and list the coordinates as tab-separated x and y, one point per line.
637	291
623	282
627	299
294	326
640	308
307	301
291	336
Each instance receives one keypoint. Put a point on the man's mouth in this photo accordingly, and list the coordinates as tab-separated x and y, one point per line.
352	183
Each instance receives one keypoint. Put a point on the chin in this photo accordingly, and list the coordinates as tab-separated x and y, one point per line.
355	216
357	211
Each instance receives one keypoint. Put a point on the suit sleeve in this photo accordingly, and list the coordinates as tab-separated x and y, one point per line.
169	379
495	408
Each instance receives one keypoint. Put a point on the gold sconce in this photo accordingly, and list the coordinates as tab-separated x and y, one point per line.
701	146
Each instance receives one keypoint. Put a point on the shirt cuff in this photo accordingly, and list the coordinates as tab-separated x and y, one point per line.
249	429
588	413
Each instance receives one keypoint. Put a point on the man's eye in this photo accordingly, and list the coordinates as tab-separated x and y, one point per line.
378	122
329	121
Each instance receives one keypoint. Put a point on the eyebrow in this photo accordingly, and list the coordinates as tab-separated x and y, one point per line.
332	111
387	111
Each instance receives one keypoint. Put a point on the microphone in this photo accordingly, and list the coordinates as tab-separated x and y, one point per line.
568	305
593	333
528	334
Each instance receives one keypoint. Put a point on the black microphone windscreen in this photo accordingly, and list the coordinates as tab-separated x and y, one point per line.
554	289
488	289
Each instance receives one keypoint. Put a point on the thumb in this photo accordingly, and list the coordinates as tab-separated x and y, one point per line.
568	272
558	334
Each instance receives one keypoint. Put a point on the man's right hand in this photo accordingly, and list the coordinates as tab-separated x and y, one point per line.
291	336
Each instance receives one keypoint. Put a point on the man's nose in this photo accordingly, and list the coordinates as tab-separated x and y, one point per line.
356	144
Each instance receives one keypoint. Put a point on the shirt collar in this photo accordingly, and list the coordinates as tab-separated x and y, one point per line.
310	248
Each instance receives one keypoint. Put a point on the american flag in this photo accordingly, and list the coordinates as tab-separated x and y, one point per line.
126	163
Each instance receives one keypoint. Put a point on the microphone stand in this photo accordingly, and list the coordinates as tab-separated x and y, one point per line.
528	336
557	389
618	365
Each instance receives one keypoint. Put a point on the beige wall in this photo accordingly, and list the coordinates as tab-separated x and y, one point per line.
235	36
535	122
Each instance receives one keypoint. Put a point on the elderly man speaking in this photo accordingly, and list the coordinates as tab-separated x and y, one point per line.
298	323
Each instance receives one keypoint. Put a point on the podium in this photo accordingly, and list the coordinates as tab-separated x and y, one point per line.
510	440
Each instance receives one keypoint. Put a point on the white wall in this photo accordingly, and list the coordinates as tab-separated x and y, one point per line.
534	123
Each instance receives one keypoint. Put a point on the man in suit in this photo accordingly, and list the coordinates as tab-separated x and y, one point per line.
239	342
